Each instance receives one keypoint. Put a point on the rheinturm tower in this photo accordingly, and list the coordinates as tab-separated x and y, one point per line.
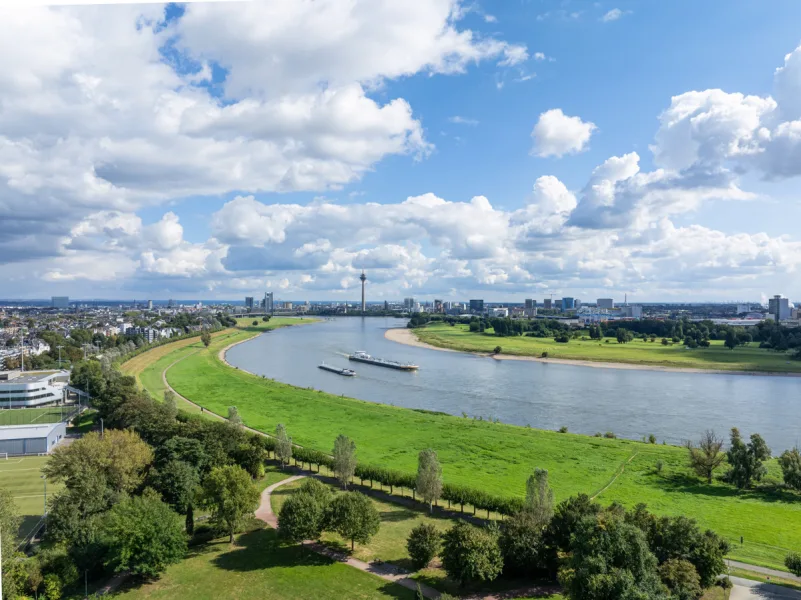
363	278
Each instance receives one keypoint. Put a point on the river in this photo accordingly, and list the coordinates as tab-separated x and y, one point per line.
631	403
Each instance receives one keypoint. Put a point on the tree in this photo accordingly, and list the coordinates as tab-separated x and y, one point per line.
301	518
179	484
539	496
793	563
567	515
233	416
731	341
681	579
624	336
265	319
120	457
171	403
255	323
423	544
188	450
746	459
471	554
344	459
10	522
353	516
521	544
231	495
429	477
610	559
143	536
790	462
707	456
205	337
283	445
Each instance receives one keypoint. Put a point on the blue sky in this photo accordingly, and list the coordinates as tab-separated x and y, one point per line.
174	149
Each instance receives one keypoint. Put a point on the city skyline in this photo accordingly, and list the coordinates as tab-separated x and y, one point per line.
149	153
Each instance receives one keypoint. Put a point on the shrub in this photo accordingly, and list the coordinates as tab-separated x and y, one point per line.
471	554
652	439
659	465
563	429
725	583
793	563
610	435
544	355
423	544
497	350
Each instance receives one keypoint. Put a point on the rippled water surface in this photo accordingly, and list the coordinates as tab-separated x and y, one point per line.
672	406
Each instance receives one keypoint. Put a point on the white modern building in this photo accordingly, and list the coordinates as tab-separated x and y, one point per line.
21	440
31	388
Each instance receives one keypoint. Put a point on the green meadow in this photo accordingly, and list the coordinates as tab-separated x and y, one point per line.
638	352
493	456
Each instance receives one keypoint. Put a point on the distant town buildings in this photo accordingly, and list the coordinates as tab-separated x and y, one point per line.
267	304
779	308
60	301
408	304
547	304
605	303
249	303
477	306
568	304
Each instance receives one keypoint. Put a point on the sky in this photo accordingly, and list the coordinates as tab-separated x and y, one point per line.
452	149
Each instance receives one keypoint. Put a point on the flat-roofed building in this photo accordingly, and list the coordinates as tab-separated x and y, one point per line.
31	388
22	440
605	303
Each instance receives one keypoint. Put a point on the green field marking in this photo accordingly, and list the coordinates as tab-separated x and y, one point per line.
637	352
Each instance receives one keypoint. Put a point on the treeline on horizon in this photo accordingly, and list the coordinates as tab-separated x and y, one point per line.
768	334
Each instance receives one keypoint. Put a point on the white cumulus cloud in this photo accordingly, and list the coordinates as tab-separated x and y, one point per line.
557	134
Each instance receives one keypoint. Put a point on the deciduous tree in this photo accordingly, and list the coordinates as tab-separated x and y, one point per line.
681	579
205	337
233	416
353	516
344	459
301	518
539	496
429	477
521	543
746	459
471	554
283	445
143	536
790	462
708	456
179	484
231	495
423	544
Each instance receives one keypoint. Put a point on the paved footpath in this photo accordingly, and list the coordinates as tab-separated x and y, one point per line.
385	571
764	571
745	589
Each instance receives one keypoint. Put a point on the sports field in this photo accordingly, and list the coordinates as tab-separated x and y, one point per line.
23	478
35	416
494	456
638	352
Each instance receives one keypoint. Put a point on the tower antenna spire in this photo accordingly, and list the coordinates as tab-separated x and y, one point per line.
363	278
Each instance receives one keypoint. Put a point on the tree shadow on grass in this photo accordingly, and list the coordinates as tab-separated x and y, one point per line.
687	484
263	550
394	516
27	525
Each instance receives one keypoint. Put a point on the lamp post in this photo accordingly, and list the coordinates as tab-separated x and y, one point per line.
59	356
44	479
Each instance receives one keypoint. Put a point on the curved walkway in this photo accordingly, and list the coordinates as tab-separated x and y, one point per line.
764	571
385	571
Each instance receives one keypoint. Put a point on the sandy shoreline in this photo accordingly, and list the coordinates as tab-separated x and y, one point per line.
407	337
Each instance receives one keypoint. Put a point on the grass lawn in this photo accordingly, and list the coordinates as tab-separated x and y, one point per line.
496	456
23	478
716	357
259	566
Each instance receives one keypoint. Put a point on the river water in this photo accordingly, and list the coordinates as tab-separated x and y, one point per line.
630	403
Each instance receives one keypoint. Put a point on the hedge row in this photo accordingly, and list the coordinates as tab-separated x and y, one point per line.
391	478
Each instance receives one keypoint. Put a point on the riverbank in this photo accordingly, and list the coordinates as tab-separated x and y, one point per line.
453	339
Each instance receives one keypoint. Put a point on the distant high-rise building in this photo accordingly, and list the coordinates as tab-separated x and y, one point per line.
779	308
249	303
386	305
267	303
149	305
60	301
605	303
568	303
547	303
743	309
170	303
530	307
438	306
408	304
477	306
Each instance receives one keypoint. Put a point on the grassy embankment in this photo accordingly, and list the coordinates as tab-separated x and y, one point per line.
495	456
638	352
